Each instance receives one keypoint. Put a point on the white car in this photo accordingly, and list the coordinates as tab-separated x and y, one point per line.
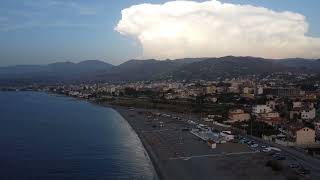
266	150
254	145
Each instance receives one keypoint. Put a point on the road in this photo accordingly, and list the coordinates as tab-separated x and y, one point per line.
306	161
311	163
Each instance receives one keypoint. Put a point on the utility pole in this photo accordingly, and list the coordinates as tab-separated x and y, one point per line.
251	127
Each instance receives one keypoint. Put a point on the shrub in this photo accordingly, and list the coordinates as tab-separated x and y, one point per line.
275	165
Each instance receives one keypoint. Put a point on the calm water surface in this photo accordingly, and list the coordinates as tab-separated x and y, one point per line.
50	137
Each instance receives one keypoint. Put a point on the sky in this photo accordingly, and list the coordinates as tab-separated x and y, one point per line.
47	31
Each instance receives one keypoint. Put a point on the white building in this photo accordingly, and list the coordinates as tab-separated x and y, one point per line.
296	104
259	90
258	109
74	93
271	115
271	104
308	114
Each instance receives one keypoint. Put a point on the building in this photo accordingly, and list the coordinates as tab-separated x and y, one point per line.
170	96
211	99
271	115
305	136
317	129
301	135
308	114
220	89
282	92
238	115
271	118
258	109
271	104
259	90
233	89
247	90
297	104
211	90
294	114
212	144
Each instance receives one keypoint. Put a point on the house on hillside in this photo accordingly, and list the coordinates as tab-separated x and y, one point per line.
308	113
238	115
302	135
262	108
271	118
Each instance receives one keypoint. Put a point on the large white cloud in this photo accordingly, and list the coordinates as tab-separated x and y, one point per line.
180	29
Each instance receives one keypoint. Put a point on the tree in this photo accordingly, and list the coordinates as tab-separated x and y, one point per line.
130	92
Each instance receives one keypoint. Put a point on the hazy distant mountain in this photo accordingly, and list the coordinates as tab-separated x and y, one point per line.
81	68
201	68
61	71
137	70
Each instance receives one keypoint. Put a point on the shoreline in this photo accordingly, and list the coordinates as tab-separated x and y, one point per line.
151	154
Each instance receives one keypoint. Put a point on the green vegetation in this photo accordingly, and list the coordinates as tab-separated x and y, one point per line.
256	128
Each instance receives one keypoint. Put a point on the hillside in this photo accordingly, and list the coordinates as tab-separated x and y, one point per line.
228	66
56	72
138	70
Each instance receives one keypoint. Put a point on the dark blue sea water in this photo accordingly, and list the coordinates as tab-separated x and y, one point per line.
46	137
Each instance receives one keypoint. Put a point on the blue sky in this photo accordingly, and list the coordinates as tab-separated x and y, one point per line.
46	31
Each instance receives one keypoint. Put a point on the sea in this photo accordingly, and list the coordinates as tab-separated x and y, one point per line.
53	137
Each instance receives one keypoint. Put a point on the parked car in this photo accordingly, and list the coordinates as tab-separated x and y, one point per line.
254	145
304	171
294	165
249	142
266	150
278	156
281	158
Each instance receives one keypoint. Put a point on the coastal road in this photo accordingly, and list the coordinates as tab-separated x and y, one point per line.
307	161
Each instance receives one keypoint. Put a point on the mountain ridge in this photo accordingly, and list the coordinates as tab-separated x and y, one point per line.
151	69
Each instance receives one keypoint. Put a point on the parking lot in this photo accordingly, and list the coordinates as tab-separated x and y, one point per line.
287	160
173	139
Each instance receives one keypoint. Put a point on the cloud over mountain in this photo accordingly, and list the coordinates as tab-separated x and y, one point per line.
178	29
